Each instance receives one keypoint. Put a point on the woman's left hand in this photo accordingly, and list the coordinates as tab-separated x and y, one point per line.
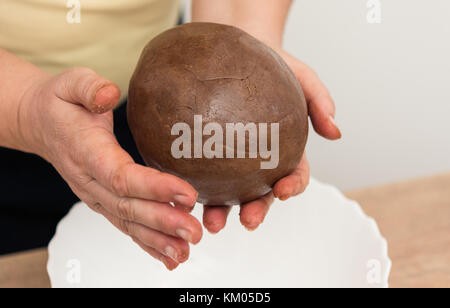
321	111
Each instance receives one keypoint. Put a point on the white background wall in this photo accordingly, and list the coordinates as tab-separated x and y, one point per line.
391	84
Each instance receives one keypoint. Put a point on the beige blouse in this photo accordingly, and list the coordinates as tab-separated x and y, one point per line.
105	35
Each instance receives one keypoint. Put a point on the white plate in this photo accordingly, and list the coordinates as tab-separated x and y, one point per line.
319	239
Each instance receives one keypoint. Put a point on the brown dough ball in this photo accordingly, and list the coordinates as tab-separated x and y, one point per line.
226	76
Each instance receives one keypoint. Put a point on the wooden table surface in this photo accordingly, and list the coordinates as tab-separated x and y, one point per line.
414	217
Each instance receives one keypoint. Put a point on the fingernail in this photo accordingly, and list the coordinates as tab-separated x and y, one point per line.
184	234
182	257
251	229
186	209
252	225
171	253
213	228
333	122
284	197
186	201
163	260
275	195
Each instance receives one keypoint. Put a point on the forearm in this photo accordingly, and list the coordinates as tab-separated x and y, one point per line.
17	77
264	19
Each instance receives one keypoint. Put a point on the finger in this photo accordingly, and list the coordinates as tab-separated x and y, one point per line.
114	169
83	86
320	104
252	214
176	249
215	217
158	216
147	183
295	183
168	262
183	208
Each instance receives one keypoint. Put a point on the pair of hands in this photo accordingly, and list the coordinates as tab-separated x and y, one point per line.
69	118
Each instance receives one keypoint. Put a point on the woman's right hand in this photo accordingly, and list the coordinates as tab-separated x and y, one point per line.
68	121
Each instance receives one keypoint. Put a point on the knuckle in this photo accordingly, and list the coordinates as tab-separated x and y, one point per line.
119	182
126	227
167	221
81	180
78	73
85	71
97	207
125	209
154	177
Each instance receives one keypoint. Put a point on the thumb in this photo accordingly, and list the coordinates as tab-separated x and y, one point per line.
83	86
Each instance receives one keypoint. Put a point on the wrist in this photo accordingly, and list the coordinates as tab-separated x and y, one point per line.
267	35
28	115
270	36
263	19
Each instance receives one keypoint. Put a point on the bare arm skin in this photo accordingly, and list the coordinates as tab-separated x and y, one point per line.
16	79
265	19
